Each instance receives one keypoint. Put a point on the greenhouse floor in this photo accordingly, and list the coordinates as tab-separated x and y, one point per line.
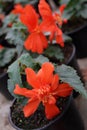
80	102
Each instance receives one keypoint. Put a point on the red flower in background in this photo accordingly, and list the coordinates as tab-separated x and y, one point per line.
18	9
45	88
51	21
36	41
1	47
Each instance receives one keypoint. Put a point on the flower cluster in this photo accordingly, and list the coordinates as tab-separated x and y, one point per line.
38	24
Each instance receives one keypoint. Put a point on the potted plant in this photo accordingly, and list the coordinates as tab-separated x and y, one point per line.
76	27
49	34
43	95
7	56
24	32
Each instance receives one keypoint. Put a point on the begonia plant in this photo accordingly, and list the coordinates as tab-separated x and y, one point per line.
31	25
38	82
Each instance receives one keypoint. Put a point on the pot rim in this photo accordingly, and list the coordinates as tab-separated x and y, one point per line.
47	125
76	30
2	75
72	54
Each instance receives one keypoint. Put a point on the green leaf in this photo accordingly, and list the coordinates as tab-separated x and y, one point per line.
17	35
67	39
14	71
11	87
19	26
3	30
84	11
72	3
11	18
69	75
41	59
26	1
64	1
6	56
54	51
26	60
15	77
75	9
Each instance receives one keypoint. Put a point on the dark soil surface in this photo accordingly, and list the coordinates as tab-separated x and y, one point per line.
72	25
37	120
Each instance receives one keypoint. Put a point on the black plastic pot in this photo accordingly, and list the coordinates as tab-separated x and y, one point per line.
79	37
3	86
69	119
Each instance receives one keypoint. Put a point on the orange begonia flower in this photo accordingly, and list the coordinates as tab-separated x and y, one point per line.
36	41
51	21
45	88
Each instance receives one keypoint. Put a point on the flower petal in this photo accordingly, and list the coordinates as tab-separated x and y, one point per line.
45	74
51	110
45	10
24	91
36	45
30	43
29	18
31	107
55	82
32	78
62	7
64	90
51	100
59	38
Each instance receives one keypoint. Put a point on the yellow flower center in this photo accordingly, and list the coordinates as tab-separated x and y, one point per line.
37	29
44	93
